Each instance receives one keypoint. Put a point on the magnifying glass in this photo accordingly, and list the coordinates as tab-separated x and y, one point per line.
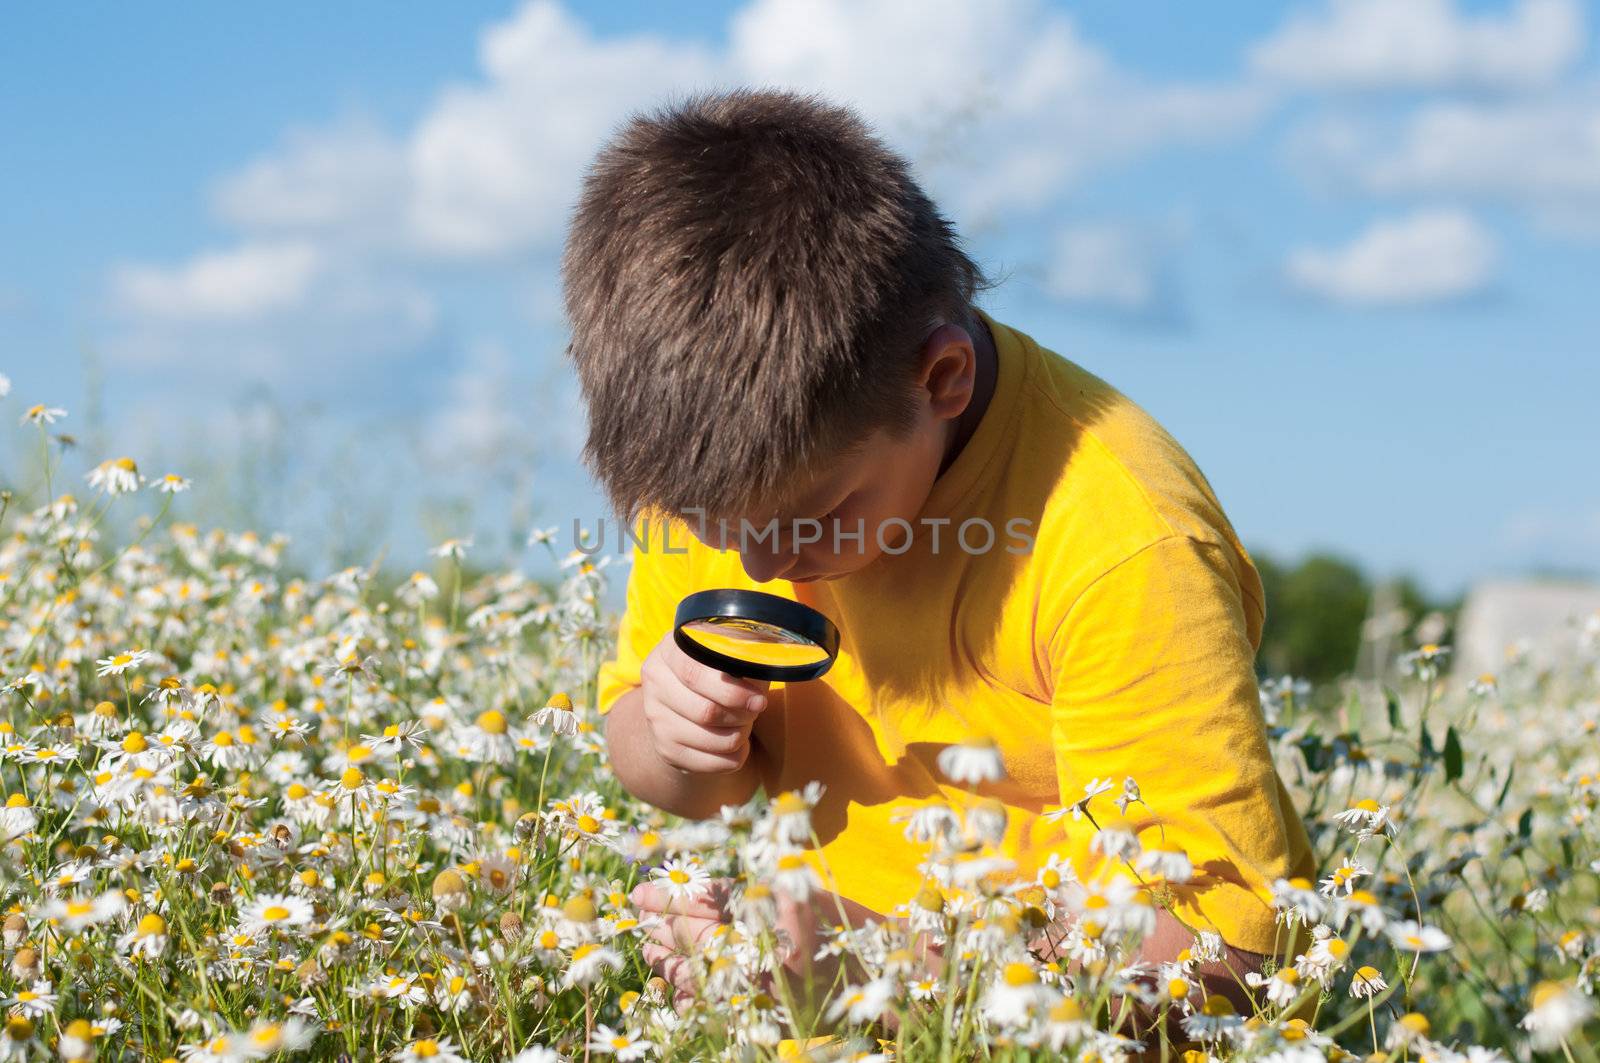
755	635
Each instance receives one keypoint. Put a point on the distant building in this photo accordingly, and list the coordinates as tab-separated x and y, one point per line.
1545	620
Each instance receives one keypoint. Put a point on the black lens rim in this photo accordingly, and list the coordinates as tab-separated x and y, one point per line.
765	608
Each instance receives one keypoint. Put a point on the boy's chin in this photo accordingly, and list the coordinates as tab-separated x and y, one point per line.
830	575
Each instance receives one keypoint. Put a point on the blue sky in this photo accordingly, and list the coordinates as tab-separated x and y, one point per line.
1344	249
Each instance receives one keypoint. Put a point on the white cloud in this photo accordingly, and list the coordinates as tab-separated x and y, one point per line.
245	282
345	178
1423	44
1430	256
1116	268
306	337
1540	155
492	166
1029	110
341	223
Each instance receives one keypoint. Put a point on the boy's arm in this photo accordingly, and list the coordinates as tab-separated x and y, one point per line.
1154	680
645	775
715	764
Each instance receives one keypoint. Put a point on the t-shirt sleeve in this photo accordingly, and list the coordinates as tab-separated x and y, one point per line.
658	577
1154	679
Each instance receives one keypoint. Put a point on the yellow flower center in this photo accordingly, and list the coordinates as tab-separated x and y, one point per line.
1019	974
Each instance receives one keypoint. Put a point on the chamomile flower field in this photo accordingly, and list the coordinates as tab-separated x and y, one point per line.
252	814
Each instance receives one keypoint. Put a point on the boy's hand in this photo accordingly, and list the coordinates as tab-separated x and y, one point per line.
699	718
686	925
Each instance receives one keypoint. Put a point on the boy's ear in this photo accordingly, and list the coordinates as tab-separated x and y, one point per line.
948	370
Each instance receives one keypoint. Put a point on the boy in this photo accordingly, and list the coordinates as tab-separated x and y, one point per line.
770	320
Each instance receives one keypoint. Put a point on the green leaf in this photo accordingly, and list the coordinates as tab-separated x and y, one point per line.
1452	756
1511	773
1525	823
1392	701
1316	754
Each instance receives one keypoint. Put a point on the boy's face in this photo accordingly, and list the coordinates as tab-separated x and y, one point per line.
842	515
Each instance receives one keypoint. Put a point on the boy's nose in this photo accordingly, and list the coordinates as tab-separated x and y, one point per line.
763	565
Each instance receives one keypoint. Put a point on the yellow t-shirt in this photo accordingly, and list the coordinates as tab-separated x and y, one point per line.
1120	645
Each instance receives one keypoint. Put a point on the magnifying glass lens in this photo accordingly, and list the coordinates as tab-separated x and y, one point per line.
755	635
754	641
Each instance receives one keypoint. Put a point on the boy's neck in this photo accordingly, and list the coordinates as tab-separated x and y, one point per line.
987	372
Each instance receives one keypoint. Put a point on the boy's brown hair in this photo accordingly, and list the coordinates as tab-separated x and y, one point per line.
748	276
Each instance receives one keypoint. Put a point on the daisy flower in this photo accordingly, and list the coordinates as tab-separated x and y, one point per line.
976	761
1367	982
1415	937
589	963
121	662
622	1044
268	1036
42	414
929	823
148	939
489	739
1342	879
172	484
1092	789
1215	1020
865	1003
1116	843
685	879
75	913
537	1054
17	817
430	1050
557	715
1015	995
1282	986
117	476
1168	862
35	1002
1557	1011
794	878
1365	818
497	873
455	549
275	911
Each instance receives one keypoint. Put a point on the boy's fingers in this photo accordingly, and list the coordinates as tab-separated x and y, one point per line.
693	762
719	687
681	933
702	711
672	966
719	740
652	898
